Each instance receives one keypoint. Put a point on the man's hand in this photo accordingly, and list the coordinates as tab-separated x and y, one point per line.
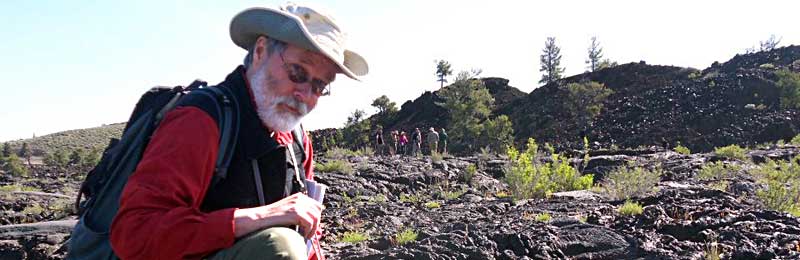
297	209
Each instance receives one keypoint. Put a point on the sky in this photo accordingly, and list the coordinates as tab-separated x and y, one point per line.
79	64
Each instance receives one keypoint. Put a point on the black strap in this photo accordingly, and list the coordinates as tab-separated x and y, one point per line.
228	124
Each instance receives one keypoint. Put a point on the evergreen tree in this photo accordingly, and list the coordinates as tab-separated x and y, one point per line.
585	101
498	134
442	71
595	55
356	130
469	104
13	165
551	62
384	105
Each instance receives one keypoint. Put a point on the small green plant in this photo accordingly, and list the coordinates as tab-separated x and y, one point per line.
436	157
353	237
682	150
501	194
712	251
338	153
789	86
34	209
366	151
717	171
17	187
406	236
469	173
781	185
694	75
583	218
432	205
630	181
543	217
337	165
378	199
451	195
630	208
731	152
795	140
529	178
413	198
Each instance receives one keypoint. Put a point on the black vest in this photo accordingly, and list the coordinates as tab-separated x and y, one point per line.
255	152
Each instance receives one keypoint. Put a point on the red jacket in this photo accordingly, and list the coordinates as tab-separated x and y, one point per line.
159	215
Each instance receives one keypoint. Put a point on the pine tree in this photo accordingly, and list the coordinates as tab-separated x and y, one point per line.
469	104
550	61
442	71
595	55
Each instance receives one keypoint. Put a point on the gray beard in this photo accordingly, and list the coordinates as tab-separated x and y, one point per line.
267	104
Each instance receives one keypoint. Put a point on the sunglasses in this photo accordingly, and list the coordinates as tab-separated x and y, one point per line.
299	75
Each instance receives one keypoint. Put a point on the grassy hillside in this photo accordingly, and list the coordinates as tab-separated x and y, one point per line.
86	139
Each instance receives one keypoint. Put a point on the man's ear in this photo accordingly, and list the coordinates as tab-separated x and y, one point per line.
259	52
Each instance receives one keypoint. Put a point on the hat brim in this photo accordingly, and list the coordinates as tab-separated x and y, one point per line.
251	23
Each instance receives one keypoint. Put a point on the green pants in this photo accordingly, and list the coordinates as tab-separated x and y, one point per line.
270	243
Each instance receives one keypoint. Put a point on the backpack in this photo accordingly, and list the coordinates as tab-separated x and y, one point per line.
104	184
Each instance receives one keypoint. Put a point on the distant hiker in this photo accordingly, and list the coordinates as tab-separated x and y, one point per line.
433	141
403	142
416	142
395	139
174	206
377	137
443	140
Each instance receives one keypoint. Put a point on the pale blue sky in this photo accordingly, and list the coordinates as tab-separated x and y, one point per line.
78	64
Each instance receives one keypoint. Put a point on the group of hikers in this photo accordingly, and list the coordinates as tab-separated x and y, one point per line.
400	143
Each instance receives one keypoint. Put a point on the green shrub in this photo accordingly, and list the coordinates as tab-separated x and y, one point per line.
789	87
451	195
469	173
34	209
528	178
436	157
408	235
682	150
353	237
338	153
717	171
731	152
712	252
795	140
543	217
337	165
413	198
76	157
59	159
13	165
630	208
629	181
432	205
379	199
781	185
17	187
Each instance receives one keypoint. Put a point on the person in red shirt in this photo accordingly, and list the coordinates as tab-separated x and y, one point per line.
171	209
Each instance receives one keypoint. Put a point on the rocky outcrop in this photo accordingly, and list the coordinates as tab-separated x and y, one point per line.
457	219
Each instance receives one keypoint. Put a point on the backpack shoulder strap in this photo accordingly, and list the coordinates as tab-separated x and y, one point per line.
227	107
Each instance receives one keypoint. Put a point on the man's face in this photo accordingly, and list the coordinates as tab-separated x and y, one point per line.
286	84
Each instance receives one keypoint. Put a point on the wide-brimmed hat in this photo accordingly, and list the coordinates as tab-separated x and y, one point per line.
301	26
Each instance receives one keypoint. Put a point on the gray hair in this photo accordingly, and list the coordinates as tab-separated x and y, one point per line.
273	46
